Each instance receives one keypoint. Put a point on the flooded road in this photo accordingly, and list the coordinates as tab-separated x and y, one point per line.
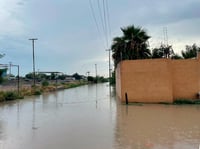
89	117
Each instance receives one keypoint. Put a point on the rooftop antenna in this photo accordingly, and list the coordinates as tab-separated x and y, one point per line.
165	36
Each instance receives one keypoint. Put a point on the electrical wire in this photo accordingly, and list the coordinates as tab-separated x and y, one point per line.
101	16
94	16
105	22
108	19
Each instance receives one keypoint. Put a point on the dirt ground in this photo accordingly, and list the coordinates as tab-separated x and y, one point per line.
11	85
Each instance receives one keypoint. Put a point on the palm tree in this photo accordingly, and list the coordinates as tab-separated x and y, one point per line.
132	45
118	49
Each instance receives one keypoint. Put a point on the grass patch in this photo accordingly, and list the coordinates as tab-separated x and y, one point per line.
2	96
73	85
185	101
45	83
9	95
133	104
164	103
36	90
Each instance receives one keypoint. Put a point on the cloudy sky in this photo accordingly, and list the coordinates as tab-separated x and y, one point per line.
70	41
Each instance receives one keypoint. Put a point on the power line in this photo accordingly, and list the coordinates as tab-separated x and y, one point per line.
108	18
101	16
105	22
104	19
94	17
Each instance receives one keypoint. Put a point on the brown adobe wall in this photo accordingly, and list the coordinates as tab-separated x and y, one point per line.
146	81
185	74
118	81
158	80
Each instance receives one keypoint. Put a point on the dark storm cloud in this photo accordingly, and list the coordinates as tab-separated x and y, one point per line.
20	3
162	12
66	30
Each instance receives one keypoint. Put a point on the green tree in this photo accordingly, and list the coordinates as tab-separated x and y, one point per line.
190	51
112	79
1	70
62	77
1	77
29	75
132	45
157	53
77	76
176	56
119	50
42	76
90	79
53	76
164	51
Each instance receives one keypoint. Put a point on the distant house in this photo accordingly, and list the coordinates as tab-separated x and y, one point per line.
69	78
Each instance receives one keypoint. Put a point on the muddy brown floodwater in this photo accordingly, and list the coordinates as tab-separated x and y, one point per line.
89	117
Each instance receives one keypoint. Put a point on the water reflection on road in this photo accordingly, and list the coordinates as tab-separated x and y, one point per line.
89	117
158	127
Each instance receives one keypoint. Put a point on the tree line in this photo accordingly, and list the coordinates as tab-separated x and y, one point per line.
133	44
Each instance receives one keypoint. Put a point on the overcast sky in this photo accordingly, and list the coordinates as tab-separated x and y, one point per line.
68	38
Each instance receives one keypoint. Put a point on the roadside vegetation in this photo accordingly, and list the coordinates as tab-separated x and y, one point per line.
134	44
44	84
1	78
37	90
186	101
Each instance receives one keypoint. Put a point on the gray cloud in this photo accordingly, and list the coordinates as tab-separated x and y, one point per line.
20	3
68	39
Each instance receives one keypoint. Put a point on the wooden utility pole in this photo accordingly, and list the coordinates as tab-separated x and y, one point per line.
33	40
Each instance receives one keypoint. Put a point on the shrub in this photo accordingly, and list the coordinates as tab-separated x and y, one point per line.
37	92
184	101
10	95
26	92
2	96
45	83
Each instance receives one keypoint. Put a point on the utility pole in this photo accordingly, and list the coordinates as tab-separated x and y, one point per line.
109	65
88	73
33	40
18	79
10	64
96	71
17	76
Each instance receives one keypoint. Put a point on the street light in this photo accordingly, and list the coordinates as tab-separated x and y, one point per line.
33	40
